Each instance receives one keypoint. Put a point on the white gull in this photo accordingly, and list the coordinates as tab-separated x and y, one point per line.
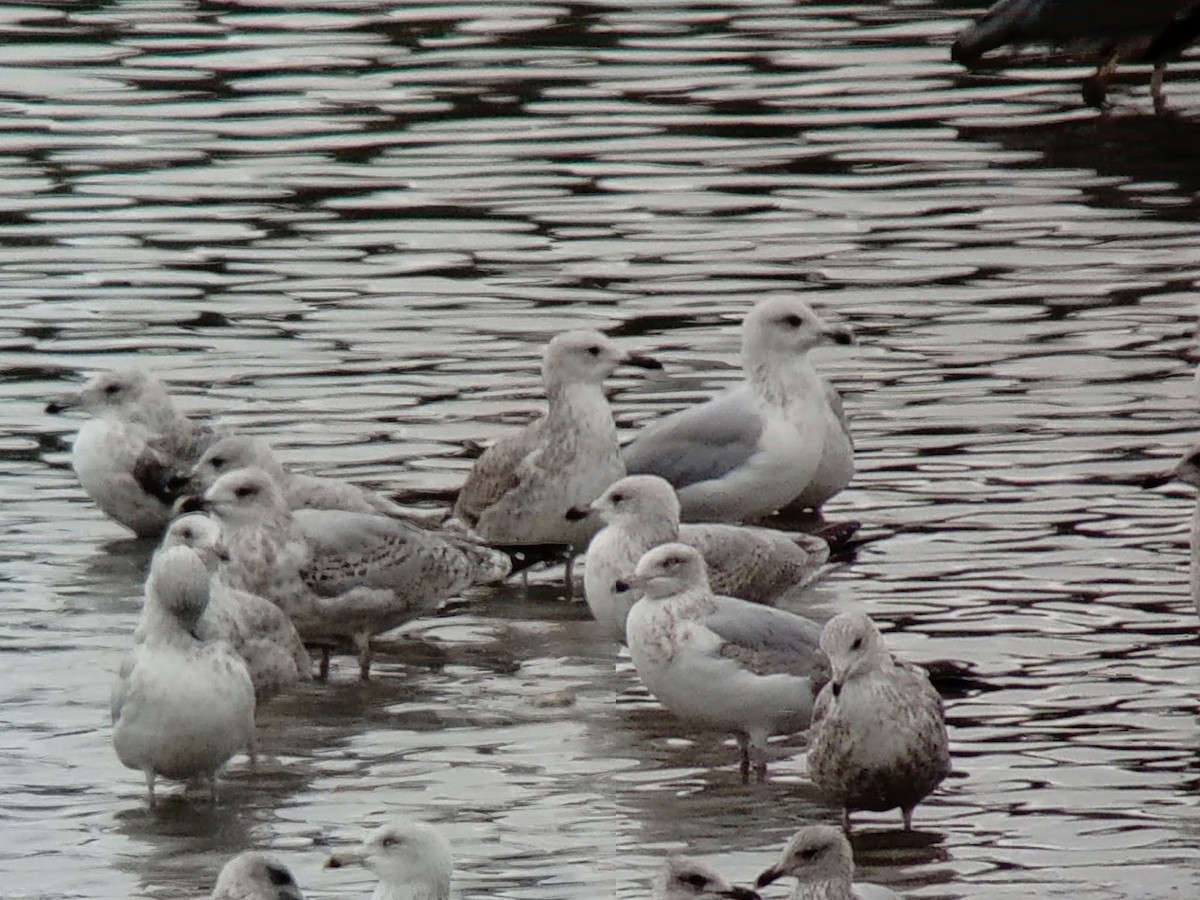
411	859
820	859
181	707
641	511
719	662
778	439
255	876
878	739
688	878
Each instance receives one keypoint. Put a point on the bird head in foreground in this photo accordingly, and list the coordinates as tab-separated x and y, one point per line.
784	327
130	395
816	853
1186	470
199	532
854	647
668	570
404	855
634	498
685	878
179	582
243	496
587	357
254	876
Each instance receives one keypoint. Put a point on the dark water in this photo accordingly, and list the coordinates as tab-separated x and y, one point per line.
352	225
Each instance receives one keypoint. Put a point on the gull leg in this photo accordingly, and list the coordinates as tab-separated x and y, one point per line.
363	643
1095	88
212	788
323	674
252	751
907	812
744	748
150	787
1156	88
569	578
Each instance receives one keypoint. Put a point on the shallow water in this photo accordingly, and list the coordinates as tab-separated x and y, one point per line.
352	225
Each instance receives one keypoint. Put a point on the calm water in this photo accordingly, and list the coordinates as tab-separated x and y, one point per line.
352	225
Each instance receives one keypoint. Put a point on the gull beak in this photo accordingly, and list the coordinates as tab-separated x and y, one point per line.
578	513
838	334
621	586
1158	479
767	877
345	858
63	402
740	893
221	551
642	362
191	504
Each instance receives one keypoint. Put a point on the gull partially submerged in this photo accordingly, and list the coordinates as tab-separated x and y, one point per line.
411	859
340	576
255	876
641	512
181	706
134	442
720	662
778	439
820	859
878	739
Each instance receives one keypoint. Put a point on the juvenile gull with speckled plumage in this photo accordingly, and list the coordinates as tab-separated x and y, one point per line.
778	439
255	876
411	859
878	739
134	442
340	576
820	859
720	662
688	878
181	706
641	512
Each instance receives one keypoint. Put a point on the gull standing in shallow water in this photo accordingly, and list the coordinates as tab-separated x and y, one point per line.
878	739
686	878
411	860
778	439
258	630
820	859
254	876
340	576
521	488
641	512
720	662
181	707
134	442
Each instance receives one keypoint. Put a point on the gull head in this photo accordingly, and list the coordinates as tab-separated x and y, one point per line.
638	498
685	878
202	534
1186	470
254	876
669	570
179	583
232	453
816	853
129	395
854	647
245	496
783	327
410	859
587	357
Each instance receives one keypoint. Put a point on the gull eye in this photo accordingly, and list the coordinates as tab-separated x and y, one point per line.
792	321
279	876
111	389
695	879
186	534
594	350
389	840
217	462
810	853
857	645
617	498
248	490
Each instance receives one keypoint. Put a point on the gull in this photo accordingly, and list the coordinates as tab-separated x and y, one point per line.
820	859
687	878
1187	470
255	876
878	739
258	630
411	859
720	662
641	511
301	491
181	707
340	576
521	488
134	442
778	439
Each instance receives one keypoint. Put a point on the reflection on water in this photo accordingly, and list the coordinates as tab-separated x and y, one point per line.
351	226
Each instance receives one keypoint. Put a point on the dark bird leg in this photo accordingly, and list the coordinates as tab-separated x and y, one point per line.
1095	88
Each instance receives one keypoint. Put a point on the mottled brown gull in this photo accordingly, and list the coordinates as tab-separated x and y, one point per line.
134	442
340	576
255	876
777	439
722	663
820	859
411	859
878	739
258	630
521	488
181	707
688	878
641	511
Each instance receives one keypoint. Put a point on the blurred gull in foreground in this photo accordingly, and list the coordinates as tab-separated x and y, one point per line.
641	512
255	876
411	860
719	662
778	439
135	441
820	859
878	739
181	707
686	878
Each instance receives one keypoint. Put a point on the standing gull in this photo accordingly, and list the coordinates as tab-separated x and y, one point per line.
340	576
777	439
820	859
521	488
1187	470
135	441
641	511
720	662
258	630
411	860
254	876
687	878
878	738
181	707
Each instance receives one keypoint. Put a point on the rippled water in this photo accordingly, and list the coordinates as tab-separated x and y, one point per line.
351	225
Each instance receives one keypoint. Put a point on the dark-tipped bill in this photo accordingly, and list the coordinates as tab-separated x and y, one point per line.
643	362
